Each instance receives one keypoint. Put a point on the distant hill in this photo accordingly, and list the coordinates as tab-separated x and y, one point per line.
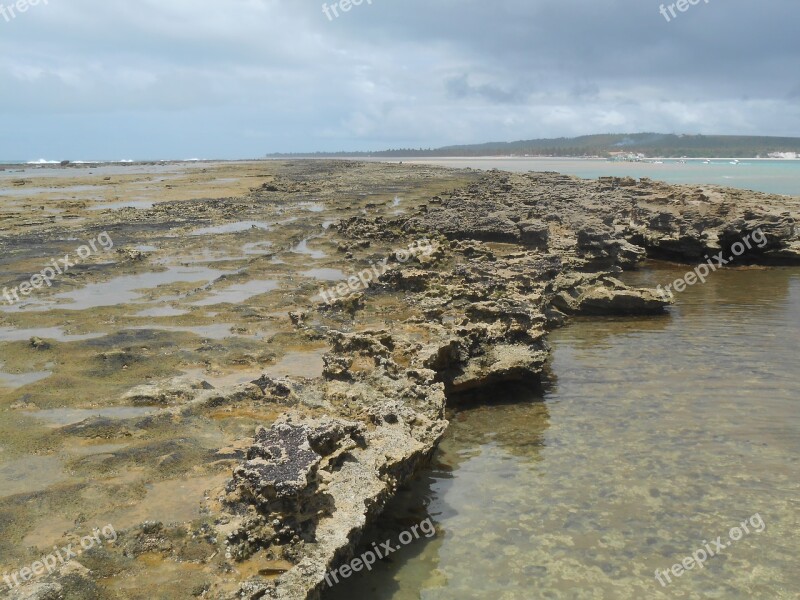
651	144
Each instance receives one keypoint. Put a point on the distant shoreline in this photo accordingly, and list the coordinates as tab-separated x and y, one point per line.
117	163
648	159
6	165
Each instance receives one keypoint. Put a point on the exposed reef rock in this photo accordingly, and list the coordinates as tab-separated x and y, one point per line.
606	296
513	255
509	257
282	479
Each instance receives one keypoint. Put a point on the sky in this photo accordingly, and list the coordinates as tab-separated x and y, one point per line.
178	79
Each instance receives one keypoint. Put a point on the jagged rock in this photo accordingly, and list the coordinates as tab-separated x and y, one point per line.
535	234
595	237
472	222
131	254
298	317
349	304
281	478
610	297
412	280
691	225
502	363
276	388
295	467
598	241
39	344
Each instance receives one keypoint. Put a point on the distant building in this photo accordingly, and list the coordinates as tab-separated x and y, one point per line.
627	156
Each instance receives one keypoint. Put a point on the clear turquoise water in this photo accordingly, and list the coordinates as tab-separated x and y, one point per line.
771	176
651	437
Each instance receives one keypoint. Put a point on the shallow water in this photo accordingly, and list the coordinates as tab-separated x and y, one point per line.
299	364
302	248
161	311
18	380
652	437
119	290
239	292
315	207
30	474
11	334
231	228
325	274
31	191
256	248
217	331
771	176
58	417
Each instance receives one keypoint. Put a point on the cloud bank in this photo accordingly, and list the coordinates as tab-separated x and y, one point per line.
240	78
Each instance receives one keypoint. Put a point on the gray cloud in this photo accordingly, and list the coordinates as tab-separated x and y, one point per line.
460	88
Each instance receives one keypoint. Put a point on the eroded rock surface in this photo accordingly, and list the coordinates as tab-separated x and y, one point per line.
302	464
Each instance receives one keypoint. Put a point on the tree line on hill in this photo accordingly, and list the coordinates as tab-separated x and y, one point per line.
604	145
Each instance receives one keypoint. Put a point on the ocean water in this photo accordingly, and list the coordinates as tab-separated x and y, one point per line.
771	176
651	438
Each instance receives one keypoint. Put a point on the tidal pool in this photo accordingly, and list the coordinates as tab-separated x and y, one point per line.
58	417
239	292
119	290
18	380
325	274
237	227
650	438
11	334
302	248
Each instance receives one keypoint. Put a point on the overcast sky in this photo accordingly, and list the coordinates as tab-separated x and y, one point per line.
153	79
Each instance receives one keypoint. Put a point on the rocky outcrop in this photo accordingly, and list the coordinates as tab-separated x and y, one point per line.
308	488
689	226
534	234
616	221
282	479
607	296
